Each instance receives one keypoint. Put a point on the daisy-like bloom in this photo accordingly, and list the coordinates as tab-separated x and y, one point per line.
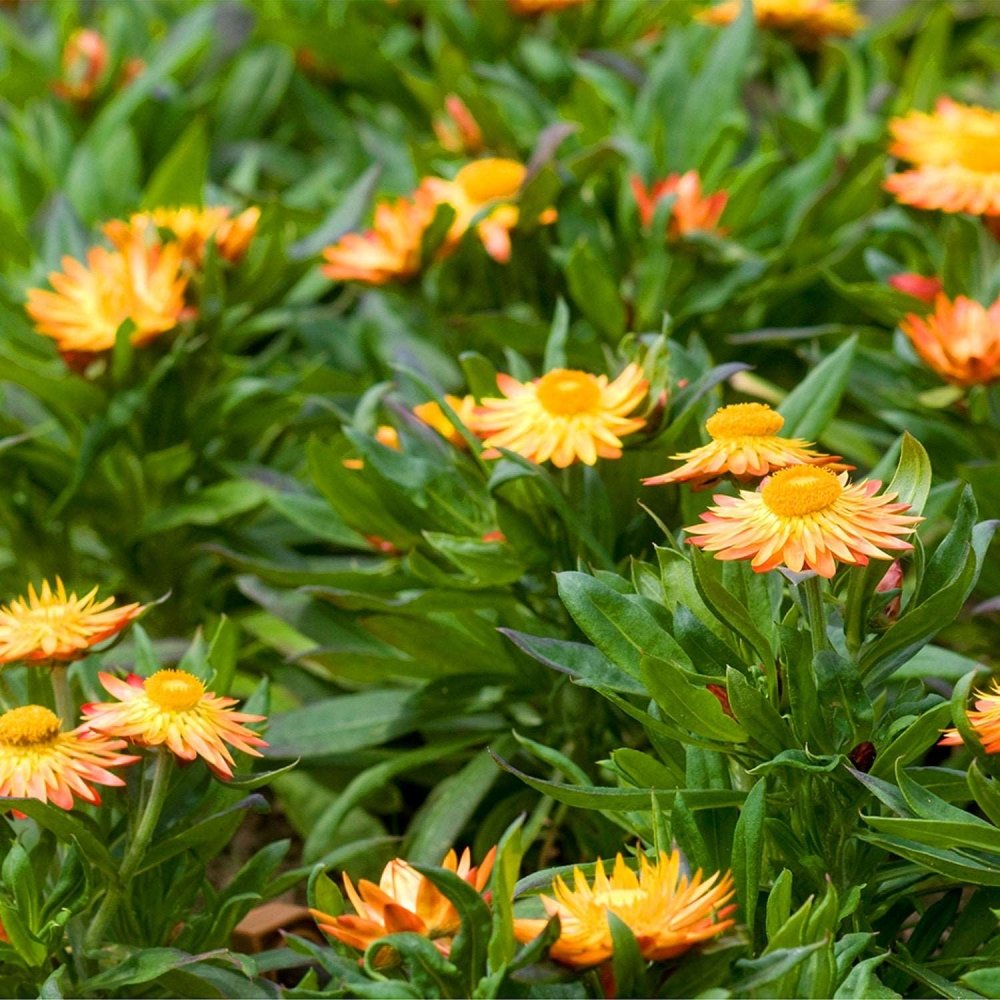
390	250
432	415
960	340
806	517
956	156
38	761
532	8
690	212
666	911
565	416
140	280
917	286
193	227
485	190
84	60
51	625
985	720
172	708
805	22
745	444
404	900
458	131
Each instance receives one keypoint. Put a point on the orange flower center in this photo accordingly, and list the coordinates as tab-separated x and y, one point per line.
564	392
29	726
174	690
979	149
744	420
801	490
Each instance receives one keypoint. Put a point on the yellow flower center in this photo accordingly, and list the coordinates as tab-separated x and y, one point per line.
564	392
174	690
615	899
744	420
801	490
486	180
29	726
979	149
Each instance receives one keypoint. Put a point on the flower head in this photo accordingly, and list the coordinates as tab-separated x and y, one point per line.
666	911
404	900
390	250
432	415
485	190
140	280
690	212
917	286
805	22
458	131
956	156
985	720
565	416
745	444
805	517
193	227
84	59
960	340
53	625
172	708
38	761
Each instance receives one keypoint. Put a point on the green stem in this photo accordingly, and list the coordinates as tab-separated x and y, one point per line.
812	596
135	851
64	697
854	610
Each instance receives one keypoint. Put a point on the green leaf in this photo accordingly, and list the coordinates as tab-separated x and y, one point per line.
810	407
179	178
595	291
67	827
748	852
430	973
627	963
506	868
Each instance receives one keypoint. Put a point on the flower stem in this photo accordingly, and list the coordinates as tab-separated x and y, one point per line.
135	851
812	596
64	698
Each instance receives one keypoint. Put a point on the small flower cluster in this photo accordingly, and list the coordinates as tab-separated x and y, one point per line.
667	911
143	279
804	22
39	760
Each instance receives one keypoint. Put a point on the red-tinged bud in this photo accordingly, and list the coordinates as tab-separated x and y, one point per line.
495	536
383	545
723	695
458	131
917	286
863	756
84	60
892	580
131	71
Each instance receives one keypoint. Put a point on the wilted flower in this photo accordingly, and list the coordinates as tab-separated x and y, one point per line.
916	286
52	625
193	227
486	190
960	340
172	708
985	720
666	911
690	212
390	250
140	280
805	517
458	131
745	445
84	60
565	416
404	900
806	22
432	415
956	153
38	761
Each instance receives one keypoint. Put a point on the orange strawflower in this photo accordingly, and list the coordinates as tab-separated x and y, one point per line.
956	156
805	517
84	59
53	625
38	761
667	911
745	445
805	22
566	416
404	900
960	340
985	720
432	415
531	8
485	190
140	280
690	212
193	227
172	708
390	250
458	131
916	286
